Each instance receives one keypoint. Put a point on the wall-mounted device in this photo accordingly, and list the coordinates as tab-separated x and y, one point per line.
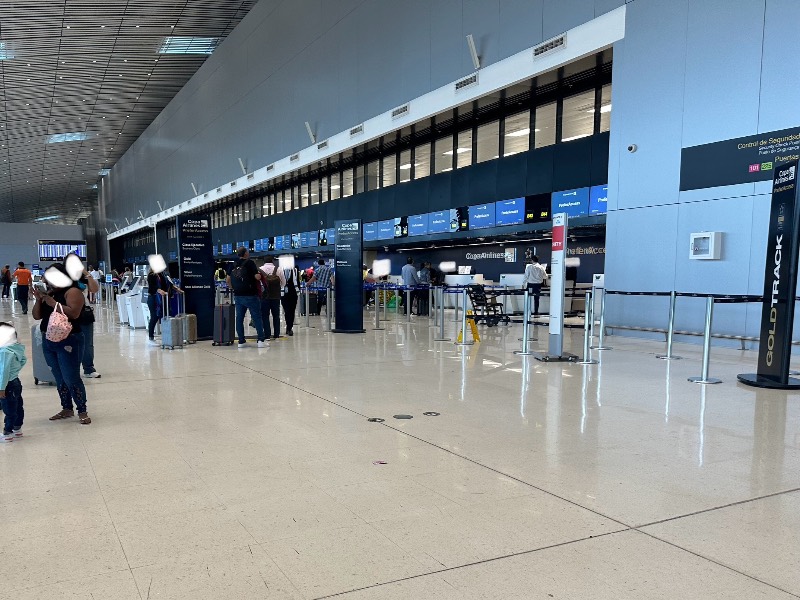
706	245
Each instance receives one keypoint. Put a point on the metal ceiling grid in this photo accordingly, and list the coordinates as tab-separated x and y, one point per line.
92	68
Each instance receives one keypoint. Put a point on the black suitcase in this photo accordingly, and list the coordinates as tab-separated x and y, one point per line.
224	324
422	303
313	303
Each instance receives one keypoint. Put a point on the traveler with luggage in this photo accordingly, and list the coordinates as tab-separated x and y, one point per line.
323	277
5	280
244	279
410	279
534	278
159	290
12	359
60	311
272	284
90	283
289	298
24	278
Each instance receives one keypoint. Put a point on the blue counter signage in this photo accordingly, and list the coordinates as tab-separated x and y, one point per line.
598	200
287	242
481	216
259	247
418	224
279	242
197	270
510	212
575	203
313	239
331	236
349	278
386	230
370	232
439	222
304	239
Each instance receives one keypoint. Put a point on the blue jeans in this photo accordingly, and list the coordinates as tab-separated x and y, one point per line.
22	296
273	307
12	406
154	305
253	304
88	349
64	359
535	290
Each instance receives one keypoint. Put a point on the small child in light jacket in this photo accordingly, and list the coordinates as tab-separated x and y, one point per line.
12	359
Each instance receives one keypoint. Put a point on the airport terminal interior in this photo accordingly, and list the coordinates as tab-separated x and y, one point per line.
534	294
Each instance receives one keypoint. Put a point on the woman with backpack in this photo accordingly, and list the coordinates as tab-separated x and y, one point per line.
272	284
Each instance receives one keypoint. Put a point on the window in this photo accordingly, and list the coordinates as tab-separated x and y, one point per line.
443	154
389	170
347	183
578	119
373	175
405	166
464	149
518	133
336	186
605	108
325	189
359	179
422	161
545	132
304	195
488	142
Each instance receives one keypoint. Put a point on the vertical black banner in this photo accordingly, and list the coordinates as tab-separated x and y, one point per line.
780	282
349	278
196	259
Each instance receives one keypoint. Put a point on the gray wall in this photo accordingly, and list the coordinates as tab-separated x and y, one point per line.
333	63
691	72
18	240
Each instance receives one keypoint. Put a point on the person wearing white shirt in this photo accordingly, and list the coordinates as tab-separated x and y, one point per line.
535	276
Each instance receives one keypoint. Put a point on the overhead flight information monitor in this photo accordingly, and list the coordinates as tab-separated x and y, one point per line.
54	250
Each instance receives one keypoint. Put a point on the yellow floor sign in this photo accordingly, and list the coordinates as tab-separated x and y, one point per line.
475	335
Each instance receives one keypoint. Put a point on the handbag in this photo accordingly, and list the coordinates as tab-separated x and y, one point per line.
87	315
58	326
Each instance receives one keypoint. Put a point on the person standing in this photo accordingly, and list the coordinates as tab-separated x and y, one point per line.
422	295
289	298
243	279
90	282
24	278
535	276
410	279
5	280
323	278
12	359
273	283
159	289
64	357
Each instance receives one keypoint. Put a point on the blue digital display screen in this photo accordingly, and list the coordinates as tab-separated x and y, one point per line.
573	202
386	230
370	232
313	239
304	239
439	222
287	241
258	247
418	224
295	241
598	200
331	236
279	242
510	212
481	216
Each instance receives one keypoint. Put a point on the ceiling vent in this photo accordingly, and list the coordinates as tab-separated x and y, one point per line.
251	176
294	157
270	167
357	130
219	190
557	43
322	145
467	82
401	111
205	195
233	184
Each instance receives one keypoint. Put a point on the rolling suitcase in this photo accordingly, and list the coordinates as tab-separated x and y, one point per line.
41	372
171	330
313	303
189	323
224	321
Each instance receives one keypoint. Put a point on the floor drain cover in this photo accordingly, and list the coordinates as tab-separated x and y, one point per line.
403	417
375	420
431	414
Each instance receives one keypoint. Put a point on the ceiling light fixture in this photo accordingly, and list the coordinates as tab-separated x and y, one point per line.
189	45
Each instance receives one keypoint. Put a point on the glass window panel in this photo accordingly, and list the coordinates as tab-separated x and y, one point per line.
336	186
605	108
323	193
518	133
488	141
422	161
359	179
578	119
373	175
464	149
443	154
405	166
545	132
347	183
389	170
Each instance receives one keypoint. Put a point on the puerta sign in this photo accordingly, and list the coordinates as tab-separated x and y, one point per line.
349	277
196	261
780	282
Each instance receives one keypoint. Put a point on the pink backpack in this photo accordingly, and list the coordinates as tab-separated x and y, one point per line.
58	327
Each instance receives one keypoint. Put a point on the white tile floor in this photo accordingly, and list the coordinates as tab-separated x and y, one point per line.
247	474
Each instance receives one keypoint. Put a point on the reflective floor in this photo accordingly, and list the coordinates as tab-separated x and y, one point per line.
224	473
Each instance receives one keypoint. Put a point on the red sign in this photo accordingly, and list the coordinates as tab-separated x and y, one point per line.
558	238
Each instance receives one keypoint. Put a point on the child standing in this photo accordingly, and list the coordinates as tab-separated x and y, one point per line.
12	359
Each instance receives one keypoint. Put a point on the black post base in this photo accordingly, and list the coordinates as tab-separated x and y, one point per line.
349	330
562	358
752	379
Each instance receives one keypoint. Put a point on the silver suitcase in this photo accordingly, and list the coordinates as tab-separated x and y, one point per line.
41	372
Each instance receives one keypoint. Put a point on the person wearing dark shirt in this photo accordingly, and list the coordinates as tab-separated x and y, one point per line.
242	279
159	287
